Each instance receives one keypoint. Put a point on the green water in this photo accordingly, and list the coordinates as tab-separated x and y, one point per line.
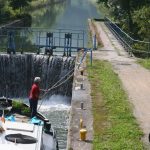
72	14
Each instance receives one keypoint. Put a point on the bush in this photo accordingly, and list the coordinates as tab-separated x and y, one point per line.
17	106
26	111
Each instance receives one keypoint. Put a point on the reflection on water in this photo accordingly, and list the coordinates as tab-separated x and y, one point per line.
72	14
76	14
47	16
68	14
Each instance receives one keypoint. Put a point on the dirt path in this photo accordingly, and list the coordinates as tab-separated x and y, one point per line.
135	79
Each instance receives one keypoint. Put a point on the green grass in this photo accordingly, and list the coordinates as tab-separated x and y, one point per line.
115	127
145	63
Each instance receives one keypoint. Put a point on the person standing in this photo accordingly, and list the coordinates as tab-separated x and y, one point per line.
34	96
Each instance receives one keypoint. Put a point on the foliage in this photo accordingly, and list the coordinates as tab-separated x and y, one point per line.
17	104
26	18
142	20
26	111
12	9
103	1
15	4
6	12
145	63
133	16
114	124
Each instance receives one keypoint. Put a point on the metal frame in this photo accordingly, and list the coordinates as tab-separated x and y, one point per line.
65	40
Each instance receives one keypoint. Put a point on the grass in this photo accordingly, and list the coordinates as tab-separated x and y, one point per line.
115	127
145	63
99	41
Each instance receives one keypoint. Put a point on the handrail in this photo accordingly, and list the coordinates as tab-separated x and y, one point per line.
126	33
130	44
33	39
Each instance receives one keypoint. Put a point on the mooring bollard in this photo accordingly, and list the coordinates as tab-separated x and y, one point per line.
82	105
81	86
83	133
81	72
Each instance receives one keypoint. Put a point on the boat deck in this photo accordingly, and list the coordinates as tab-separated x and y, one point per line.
21	128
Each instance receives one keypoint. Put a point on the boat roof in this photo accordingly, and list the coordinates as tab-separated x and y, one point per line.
24	129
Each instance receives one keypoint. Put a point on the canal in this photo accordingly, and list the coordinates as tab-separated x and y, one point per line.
68	14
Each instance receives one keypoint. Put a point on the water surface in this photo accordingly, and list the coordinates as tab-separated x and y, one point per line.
73	15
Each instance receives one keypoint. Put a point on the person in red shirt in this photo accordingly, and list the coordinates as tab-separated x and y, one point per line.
34	96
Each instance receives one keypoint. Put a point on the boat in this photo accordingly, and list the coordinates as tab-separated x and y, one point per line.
20	132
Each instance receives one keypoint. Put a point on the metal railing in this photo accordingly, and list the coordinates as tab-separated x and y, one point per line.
33	39
132	46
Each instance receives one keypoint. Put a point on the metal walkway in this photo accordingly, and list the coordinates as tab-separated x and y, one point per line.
39	40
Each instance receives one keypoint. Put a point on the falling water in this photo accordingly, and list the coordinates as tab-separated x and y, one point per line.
18	71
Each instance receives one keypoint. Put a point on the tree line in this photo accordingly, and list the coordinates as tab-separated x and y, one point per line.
133	16
12	9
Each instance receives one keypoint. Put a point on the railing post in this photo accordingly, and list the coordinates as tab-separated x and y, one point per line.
91	57
59	37
148	48
83	38
94	42
11	42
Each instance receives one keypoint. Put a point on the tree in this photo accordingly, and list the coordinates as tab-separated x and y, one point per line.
142	19
122	10
102	1
19	4
132	15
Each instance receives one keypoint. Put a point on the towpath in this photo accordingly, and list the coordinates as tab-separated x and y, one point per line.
135	78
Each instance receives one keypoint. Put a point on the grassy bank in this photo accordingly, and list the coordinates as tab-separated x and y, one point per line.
145	63
115	127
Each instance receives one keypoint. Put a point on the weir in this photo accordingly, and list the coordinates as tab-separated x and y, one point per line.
18	71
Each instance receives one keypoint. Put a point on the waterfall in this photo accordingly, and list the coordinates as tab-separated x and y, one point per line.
17	73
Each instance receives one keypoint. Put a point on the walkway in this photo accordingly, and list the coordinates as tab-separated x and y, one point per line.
80	95
135	79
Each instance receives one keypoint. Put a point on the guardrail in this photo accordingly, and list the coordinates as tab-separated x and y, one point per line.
38	39
132	46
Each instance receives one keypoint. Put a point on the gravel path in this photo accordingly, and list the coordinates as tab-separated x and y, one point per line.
135	79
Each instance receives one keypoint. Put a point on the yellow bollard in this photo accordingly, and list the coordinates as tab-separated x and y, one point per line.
83	134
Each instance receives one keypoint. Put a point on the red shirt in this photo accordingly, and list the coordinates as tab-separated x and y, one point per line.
34	92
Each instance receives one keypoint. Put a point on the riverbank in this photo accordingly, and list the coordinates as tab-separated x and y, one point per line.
135	82
117	97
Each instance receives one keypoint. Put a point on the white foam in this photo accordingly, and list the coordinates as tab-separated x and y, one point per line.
55	102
